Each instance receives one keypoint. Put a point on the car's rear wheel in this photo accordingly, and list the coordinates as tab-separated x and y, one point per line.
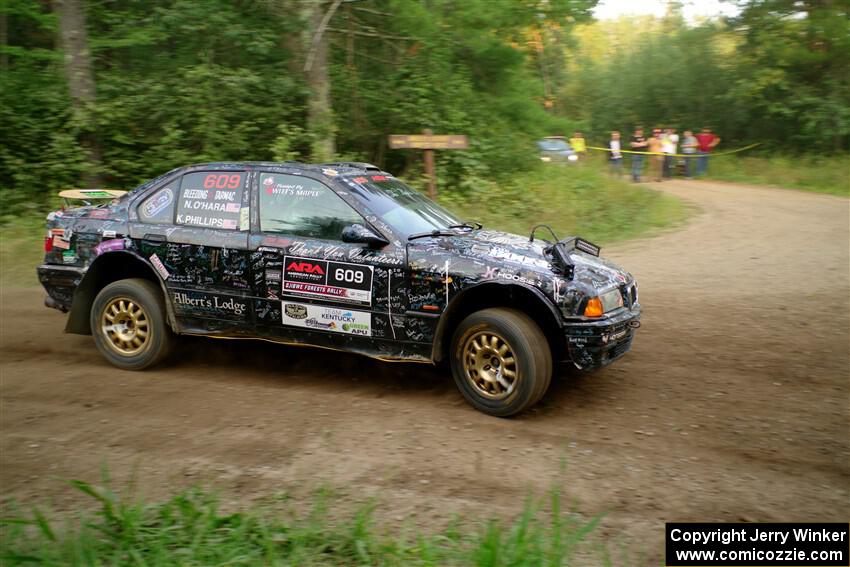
128	323
501	361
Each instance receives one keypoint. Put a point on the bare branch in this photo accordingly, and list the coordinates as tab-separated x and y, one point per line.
370	34
317	37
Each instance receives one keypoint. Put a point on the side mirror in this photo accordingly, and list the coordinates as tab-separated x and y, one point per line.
359	234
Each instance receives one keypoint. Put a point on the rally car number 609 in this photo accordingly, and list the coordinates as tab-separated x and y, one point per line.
341	256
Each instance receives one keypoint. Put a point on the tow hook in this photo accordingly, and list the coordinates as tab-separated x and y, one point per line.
50	302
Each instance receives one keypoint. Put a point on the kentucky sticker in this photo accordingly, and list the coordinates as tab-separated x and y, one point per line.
331	319
337	281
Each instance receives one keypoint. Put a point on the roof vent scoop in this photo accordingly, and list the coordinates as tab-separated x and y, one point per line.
354	164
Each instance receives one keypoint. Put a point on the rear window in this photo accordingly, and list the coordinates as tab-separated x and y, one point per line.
211	199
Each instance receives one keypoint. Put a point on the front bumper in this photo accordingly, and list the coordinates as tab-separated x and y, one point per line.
595	343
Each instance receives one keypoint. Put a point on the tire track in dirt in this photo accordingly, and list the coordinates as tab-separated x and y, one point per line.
731	406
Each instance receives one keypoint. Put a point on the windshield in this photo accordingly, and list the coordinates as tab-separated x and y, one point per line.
553	145
401	207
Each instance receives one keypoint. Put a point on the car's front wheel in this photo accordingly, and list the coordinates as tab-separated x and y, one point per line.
129	326
501	361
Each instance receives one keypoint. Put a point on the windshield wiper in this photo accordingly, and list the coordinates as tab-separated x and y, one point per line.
474	225
431	233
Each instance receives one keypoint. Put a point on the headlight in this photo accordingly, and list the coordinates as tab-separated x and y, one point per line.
611	300
545	158
608	301
572	157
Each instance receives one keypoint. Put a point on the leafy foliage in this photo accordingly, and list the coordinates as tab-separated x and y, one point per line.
181	81
779	73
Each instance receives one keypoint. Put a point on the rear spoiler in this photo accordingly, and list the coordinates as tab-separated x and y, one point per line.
88	196
560	250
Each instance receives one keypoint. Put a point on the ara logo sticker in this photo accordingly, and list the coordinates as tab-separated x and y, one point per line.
306	267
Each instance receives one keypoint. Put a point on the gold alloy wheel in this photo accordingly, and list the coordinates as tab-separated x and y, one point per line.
489	365
124	324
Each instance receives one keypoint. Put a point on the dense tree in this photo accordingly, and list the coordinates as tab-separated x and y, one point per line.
779	74
73	39
180	81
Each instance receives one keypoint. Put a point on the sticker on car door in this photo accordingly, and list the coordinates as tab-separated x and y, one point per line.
321	318
336	281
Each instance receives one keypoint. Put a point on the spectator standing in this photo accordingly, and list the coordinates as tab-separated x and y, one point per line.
578	144
689	147
669	143
656	160
706	141
638	143
615	156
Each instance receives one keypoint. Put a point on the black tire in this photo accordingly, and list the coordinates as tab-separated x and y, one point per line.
531	366
143	311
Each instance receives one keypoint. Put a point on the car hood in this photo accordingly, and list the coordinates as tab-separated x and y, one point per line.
514	253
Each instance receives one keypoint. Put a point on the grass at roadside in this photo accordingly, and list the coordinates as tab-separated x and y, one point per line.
579	199
21	249
191	529
808	173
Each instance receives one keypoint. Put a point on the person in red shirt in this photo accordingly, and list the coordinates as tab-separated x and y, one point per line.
706	141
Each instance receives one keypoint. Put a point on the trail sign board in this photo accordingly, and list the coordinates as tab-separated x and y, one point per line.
429	142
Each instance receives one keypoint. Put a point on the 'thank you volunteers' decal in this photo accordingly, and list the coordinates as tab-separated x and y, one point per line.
338	281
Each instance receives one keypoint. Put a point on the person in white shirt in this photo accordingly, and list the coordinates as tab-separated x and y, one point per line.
669	144
615	156
689	147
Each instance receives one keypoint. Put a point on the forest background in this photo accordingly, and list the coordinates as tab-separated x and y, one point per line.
111	93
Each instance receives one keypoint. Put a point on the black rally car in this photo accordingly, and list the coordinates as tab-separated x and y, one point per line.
338	255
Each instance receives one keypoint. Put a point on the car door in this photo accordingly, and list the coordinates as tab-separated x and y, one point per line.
312	287
194	231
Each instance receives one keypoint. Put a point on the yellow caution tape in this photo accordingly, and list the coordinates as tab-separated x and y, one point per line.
713	154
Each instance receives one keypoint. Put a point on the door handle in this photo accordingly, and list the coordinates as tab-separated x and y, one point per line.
155	237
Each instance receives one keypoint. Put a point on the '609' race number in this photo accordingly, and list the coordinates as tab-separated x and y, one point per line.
348	276
222	181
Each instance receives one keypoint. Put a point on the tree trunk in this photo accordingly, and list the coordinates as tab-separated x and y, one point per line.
78	67
320	121
4	41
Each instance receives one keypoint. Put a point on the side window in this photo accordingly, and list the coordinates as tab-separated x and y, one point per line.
300	206
212	199
159	207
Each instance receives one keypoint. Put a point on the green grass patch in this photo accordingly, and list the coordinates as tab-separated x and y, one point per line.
21	249
819	174
192	529
578	199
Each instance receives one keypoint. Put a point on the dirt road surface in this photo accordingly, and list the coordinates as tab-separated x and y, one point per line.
732	405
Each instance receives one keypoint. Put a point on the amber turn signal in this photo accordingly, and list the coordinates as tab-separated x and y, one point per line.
594	308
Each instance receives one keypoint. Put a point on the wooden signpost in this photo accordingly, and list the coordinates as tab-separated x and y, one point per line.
429	142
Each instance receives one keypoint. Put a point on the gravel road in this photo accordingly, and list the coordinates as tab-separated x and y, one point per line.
732	405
